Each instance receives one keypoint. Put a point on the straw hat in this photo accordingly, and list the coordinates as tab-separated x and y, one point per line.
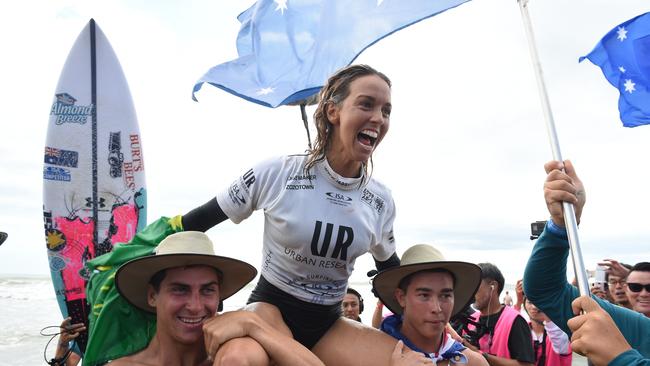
188	248
421	257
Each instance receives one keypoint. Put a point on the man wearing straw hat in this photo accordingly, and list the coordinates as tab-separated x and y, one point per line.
424	292
183	284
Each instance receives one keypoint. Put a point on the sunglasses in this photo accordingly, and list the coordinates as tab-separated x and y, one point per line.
637	287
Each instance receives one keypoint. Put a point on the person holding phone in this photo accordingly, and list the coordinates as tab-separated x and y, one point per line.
599	286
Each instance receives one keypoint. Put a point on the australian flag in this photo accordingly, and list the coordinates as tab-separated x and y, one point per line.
624	57
61	157
288	48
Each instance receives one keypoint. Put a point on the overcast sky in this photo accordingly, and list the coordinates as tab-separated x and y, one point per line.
464	156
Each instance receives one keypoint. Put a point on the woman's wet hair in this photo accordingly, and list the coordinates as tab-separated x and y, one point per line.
335	92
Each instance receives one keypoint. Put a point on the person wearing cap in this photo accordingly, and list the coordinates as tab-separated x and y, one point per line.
423	293
183	284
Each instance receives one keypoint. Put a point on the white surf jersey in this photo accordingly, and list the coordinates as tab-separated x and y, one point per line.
315	224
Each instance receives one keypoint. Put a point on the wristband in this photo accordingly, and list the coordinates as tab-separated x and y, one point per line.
555	229
485	355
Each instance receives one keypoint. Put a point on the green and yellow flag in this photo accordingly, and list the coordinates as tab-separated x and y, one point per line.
116	328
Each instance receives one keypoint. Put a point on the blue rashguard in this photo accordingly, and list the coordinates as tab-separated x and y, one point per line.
630	358
546	286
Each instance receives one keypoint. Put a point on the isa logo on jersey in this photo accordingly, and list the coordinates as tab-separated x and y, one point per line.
66	111
55	173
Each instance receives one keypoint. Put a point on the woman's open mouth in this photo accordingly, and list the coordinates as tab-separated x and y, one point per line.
368	137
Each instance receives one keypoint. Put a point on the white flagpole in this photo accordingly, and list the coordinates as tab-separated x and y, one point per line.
569	212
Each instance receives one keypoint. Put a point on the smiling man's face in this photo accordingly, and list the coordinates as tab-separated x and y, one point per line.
186	298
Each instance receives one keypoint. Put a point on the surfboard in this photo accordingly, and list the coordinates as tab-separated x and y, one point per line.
94	192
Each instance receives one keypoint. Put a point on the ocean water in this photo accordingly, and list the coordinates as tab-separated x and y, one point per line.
28	304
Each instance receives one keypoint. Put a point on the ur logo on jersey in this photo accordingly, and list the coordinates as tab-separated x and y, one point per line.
344	238
235	190
248	178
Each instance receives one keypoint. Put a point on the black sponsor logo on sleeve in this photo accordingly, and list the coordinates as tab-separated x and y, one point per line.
236	195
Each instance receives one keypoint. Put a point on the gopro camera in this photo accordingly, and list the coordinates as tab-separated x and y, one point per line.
536	229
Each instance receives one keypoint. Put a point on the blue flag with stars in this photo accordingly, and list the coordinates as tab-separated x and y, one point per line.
288	48
624	56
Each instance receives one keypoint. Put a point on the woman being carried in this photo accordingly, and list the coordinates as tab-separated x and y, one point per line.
322	210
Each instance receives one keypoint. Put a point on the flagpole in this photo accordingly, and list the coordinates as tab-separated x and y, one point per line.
569	212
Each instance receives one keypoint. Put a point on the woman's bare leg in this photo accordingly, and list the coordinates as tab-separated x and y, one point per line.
246	351
241	352
351	343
